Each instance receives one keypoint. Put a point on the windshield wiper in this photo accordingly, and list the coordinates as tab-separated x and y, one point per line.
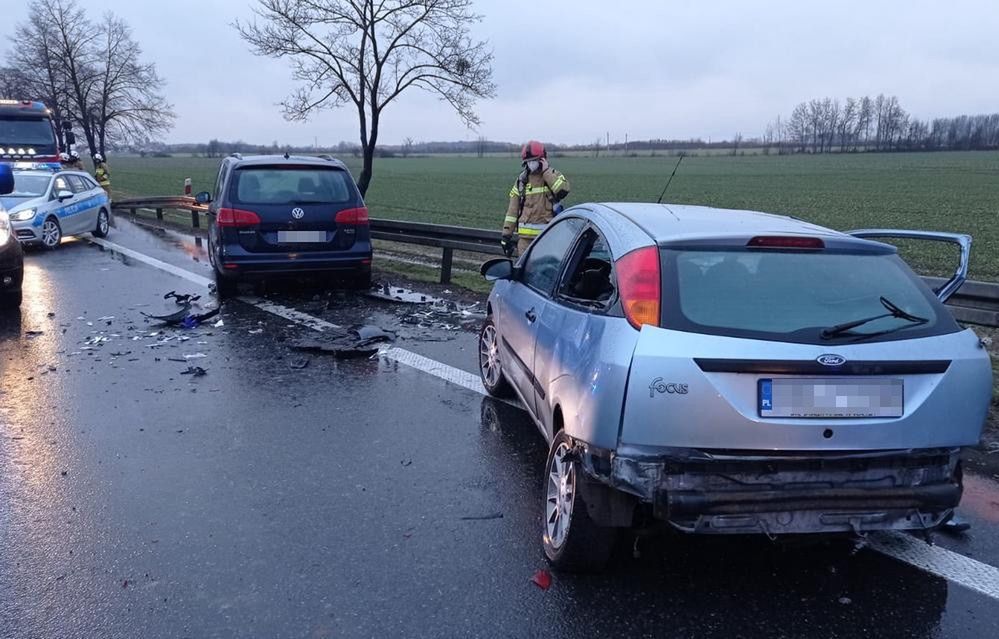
893	311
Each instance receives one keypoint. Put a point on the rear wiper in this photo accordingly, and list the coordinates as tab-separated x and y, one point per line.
893	311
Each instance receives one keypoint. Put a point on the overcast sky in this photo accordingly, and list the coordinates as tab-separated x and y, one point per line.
572	70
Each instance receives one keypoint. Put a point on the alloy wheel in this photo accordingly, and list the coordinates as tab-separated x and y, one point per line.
489	356
561	491
51	233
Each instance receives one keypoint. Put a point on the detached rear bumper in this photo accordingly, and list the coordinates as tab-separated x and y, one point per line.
727	492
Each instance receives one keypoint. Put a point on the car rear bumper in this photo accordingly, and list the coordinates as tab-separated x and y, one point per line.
714	492
263	265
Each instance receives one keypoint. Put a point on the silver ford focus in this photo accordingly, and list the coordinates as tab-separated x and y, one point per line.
732	372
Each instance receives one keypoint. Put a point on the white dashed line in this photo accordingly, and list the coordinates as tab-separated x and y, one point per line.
965	571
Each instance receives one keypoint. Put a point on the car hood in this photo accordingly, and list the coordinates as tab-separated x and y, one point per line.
14	204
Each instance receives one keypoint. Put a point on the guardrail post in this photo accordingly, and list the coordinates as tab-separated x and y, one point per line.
159	214
195	219
446	260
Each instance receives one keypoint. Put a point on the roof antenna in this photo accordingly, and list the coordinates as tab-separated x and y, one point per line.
663	194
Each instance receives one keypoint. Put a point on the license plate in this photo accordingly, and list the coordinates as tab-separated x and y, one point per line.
301	237
830	398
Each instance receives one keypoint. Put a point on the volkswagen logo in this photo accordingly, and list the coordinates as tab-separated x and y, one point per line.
297	213
831	360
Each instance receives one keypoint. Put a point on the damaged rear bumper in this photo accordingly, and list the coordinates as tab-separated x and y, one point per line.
728	492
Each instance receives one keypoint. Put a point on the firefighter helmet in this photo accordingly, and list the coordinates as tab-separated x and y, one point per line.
533	150
98	157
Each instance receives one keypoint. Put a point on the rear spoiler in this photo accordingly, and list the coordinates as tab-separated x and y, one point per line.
963	242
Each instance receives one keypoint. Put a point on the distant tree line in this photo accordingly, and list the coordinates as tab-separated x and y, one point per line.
88	73
878	124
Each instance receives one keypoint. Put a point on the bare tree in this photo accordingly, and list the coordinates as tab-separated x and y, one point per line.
126	102
407	147
36	65
366	53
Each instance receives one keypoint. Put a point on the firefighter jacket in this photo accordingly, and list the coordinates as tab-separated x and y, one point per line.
103	175
531	200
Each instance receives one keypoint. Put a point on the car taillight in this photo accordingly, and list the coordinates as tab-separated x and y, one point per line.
237	217
353	216
640	286
784	241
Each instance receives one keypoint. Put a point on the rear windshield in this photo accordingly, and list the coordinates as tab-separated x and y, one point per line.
290	185
26	132
789	296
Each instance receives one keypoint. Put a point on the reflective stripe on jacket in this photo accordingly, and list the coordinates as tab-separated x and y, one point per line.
540	192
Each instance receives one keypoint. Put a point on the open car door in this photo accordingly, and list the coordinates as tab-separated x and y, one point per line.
948	288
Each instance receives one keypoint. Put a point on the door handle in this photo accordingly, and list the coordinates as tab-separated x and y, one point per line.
531	316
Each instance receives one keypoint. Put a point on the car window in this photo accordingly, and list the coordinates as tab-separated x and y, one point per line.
78	184
60	184
773	294
218	182
589	275
548	253
89	181
290	185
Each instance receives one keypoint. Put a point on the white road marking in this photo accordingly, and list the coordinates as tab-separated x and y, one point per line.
200	280
970	573
954	567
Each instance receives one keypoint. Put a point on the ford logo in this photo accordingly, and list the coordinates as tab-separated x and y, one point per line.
297	213
831	360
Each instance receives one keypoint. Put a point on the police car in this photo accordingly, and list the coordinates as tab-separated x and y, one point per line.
46	206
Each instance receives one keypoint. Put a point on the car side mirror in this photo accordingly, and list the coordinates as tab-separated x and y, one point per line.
6	179
64	195
203	197
497	269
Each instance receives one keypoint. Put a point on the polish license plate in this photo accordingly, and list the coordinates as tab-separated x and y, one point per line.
301	237
831	398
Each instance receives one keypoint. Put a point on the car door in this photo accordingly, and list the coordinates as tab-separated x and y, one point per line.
85	206
524	303
63	209
576	331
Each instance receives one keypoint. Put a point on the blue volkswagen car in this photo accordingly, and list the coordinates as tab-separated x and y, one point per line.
286	215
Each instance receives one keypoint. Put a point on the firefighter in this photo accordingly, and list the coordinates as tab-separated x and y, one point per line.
75	163
534	199
102	174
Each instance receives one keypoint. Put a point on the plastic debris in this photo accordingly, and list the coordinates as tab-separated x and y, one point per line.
542	579
195	356
358	342
299	364
218	324
402	295
194	371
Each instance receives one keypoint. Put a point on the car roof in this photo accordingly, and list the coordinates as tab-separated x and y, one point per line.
35	172
297	160
681	223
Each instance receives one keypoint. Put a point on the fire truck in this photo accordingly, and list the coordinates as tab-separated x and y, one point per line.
28	136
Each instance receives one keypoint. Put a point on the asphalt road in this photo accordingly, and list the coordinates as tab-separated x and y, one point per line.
349	498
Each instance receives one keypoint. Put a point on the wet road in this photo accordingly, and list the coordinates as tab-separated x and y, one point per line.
262	500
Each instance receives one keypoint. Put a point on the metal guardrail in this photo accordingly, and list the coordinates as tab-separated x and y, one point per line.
974	302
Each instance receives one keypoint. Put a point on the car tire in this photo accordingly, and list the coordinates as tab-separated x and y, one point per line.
572	541
11	300
490	363
226	287
103	224
51	233
361	281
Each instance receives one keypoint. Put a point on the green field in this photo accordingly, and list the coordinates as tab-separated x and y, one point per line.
938	191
